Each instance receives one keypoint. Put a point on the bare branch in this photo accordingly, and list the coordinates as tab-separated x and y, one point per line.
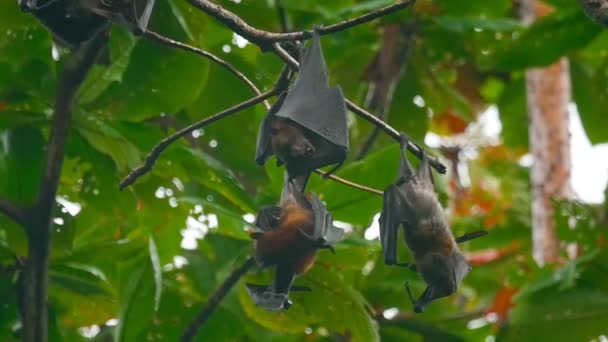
412	147
13	211
39	225
264	38
174	43
215	300
351	184
161	146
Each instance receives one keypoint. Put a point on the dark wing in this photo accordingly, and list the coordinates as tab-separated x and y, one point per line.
142	11
275	297
131	14
312	103
405	169
424	175
324	231
27	5
263	296
391	217
263	150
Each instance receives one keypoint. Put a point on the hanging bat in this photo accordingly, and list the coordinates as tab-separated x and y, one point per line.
68	20
73	22
412	202
306	128
288	238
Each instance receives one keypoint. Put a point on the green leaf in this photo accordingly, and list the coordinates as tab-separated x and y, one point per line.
590	90
158	272
21	163
109	141
547	40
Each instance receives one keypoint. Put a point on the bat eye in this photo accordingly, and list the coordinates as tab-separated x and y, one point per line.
309	151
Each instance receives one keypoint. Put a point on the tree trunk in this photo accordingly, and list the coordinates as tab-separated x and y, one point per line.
548	93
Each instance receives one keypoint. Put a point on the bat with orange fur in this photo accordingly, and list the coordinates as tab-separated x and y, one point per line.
288	238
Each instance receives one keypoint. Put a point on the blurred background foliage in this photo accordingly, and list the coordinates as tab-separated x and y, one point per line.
139	264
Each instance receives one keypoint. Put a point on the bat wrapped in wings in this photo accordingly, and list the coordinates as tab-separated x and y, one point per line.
306	128
412	203
288	238
73	22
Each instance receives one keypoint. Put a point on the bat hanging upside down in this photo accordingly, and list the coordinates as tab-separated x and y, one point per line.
289	237
74	22
306	127
412	202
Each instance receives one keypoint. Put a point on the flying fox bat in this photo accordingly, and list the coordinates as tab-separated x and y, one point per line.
288	238
73	22
306	128
70	22
412	202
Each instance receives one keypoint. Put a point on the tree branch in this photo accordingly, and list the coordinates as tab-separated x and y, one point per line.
13	211
39	224
264	38
161	146
215	299
174	43
412	147
351	184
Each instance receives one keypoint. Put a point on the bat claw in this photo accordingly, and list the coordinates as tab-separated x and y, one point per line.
330	247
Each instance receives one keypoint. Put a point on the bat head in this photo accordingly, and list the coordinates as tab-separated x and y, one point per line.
443	274
289	141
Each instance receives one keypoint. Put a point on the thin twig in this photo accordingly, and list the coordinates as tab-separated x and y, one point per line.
183	46
264	38
351	184
13	211
39	224
215	300
412	147
161	146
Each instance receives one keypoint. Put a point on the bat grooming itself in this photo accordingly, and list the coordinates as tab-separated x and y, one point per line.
412	202
306	128
288	238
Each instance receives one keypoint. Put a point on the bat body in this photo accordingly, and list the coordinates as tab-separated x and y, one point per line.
289	237
412	203
73	22
69	21
310	114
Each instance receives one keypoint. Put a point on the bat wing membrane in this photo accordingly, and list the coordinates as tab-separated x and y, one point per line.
391	217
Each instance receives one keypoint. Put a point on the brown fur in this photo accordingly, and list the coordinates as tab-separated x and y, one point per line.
286	243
